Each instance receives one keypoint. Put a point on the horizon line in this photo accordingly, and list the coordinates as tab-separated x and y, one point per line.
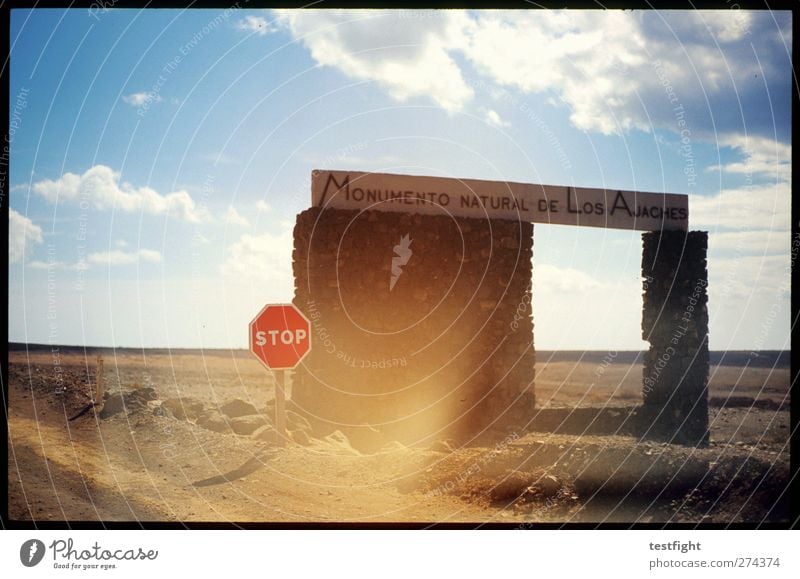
38	345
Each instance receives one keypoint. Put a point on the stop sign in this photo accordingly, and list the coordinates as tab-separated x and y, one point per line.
280	336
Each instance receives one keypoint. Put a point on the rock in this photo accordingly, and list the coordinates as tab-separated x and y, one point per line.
297	422
127	402
213	420
247	425
441	446
237	407
114	404
547	485
184	408
147	393
338	438
394	446
300	437
265	434
161	410
366	439
515	484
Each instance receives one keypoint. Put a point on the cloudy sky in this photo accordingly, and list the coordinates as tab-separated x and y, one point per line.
159	157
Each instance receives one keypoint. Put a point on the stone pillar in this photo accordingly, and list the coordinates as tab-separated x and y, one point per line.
675	322
421	324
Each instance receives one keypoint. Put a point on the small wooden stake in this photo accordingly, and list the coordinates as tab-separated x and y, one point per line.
99	377
280	406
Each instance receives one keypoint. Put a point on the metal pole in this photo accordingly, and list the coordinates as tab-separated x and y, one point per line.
280	406
99	386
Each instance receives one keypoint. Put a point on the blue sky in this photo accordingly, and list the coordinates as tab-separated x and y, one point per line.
159	157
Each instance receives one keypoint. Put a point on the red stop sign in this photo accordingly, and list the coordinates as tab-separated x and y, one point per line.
280	336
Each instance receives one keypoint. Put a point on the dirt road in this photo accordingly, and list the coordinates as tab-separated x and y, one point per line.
147	464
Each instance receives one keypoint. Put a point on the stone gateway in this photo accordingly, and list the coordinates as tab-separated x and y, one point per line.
421	315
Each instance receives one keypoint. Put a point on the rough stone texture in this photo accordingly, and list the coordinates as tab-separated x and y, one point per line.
447	351
675	322
185	407
299	437
366	440
237	407
127	402
266	433
246	425
213	419
296	421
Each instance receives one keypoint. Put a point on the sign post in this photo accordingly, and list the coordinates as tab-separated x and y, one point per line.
280	406
99	384
280	337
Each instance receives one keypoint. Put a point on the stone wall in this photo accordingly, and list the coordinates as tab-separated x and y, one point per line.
675	322
447	350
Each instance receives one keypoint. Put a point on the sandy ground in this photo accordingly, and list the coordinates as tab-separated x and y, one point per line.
146	464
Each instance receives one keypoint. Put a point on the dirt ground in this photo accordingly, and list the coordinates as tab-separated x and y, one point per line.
165	452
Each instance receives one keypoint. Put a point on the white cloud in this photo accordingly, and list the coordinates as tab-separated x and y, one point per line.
762	207
573	308
22	232
255	24
262	205
561	280
407	59
119	257
762	157
50	265
748	302
233	217
601	64
749	244
731	279
109	258
139	99
198	239
262	258
611	68
765	206
495	120
755	242
731	28
100	186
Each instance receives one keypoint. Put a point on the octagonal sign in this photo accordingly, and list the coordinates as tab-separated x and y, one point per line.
280	336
